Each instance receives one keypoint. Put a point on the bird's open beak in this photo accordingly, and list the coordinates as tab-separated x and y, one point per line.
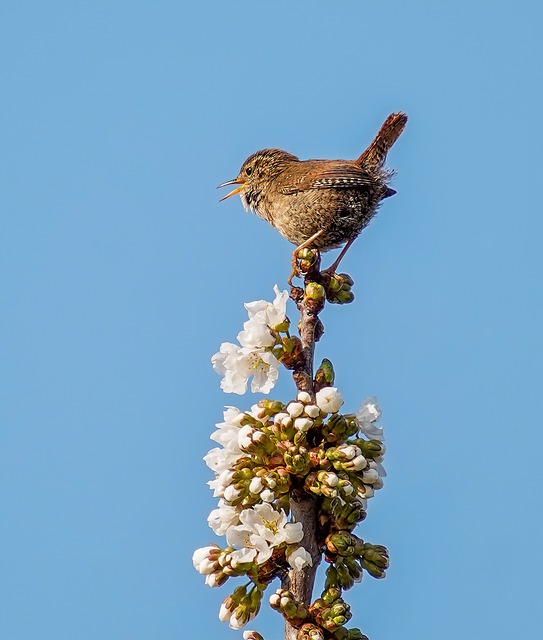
239	181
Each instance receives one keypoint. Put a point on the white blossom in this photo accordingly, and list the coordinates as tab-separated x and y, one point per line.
238	364
350	451
271	314
367	416
373	464
220	460
221	482
358	463
370	476
312	410
231	493
271	525
245	436
278	417
239	620
303	424
256	334
329	400
201	561
222	518
304	397
295	409
330	479
253	546
212	580
299	558
256	485
267	496
236	618
258	412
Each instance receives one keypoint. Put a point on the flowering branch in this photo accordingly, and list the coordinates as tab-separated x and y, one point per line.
292	479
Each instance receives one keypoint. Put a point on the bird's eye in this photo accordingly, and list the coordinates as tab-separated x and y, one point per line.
249	170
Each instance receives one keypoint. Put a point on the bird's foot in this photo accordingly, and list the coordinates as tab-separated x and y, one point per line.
303	258
333	267
304	261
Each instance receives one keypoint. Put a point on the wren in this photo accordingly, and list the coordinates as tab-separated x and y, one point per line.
319	203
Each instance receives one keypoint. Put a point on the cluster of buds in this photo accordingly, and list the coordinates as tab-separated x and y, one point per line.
349	556
338	288
241	607
278	450
325	619
330	611
265	451
339	427
216	565
343	515
284	602
253	484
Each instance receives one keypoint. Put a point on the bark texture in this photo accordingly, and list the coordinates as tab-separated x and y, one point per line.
303	506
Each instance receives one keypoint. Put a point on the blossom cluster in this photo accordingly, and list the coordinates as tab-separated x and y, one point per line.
272	450
254	356
262	453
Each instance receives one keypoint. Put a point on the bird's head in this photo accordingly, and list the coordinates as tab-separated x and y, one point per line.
256	174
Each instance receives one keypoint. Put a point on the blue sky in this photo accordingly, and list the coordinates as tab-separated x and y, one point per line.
122	274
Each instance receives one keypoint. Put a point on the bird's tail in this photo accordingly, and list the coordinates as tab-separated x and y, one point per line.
375	155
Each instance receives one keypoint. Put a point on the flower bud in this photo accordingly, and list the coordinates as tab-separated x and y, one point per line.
315	291
303	424
295	409
329	400
341	543
370	448
310	632
312	410
324	377
370	476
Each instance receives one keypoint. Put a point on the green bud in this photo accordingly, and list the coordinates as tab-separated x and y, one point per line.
332	578
341	543
340	608
271	406
343	297
324	377
370	448
282	327
278	352
335	283
354	568
331	594
373	569
346	279
306	254
315	291
376	554
310	632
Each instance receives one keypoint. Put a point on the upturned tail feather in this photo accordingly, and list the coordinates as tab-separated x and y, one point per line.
375	155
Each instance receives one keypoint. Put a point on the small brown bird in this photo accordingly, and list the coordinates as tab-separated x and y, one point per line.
319	203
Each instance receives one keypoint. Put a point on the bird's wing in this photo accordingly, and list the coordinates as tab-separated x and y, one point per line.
337	176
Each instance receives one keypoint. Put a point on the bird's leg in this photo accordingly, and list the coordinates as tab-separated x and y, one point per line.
332	268
304	245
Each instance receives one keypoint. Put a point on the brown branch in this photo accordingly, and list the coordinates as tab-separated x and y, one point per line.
303	506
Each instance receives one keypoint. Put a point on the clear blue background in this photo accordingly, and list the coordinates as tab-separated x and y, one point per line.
121	275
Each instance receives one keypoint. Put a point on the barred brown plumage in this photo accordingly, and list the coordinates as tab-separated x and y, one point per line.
319	203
